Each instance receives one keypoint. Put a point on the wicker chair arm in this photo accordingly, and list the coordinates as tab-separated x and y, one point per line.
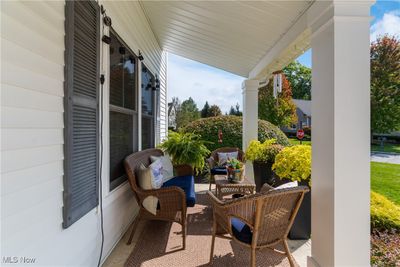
172	197
211	162
242	208
265	188
183	170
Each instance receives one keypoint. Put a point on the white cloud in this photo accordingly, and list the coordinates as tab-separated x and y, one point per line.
389	24
187	78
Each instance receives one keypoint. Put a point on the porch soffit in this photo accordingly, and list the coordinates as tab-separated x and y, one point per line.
231	35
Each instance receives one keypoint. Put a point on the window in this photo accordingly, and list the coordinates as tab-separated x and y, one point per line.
123	108
148	108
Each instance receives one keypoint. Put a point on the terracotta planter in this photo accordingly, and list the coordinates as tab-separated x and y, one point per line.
235	175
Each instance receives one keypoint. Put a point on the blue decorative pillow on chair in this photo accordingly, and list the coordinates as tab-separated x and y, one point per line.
241	231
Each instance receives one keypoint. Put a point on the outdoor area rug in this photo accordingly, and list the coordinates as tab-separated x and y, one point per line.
160	243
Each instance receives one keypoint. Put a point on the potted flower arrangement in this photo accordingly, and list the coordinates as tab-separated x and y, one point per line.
235	170
263	156
294	163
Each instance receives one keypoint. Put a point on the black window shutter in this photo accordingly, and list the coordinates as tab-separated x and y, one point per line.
81	99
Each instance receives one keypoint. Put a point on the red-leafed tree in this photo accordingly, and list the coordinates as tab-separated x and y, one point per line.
385	84
280	111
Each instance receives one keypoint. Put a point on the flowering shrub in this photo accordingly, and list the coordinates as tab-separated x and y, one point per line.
384	213
294	163
263	152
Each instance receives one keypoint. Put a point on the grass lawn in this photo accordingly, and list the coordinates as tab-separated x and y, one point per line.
385	180
394	148
294	141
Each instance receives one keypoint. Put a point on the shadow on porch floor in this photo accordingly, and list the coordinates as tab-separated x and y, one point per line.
158	244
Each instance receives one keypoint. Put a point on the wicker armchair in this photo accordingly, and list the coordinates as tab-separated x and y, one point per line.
266	216
172	200
214	158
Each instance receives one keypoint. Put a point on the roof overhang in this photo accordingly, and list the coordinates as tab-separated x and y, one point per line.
250	39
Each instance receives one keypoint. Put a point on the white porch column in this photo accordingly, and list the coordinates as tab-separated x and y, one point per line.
341	135
250	117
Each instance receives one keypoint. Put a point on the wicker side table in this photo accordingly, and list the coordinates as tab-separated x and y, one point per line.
224	187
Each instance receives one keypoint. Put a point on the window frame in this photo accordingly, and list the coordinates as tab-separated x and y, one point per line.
115	184
153	116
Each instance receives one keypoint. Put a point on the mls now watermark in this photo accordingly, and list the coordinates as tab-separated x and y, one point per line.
19	260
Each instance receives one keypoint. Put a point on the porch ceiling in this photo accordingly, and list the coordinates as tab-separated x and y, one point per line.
230	35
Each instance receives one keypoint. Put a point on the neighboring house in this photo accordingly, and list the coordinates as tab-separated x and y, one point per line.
303	111
171	116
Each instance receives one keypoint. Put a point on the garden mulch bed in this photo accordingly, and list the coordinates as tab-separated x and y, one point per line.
385	248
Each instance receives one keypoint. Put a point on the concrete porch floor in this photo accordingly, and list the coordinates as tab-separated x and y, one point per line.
300	248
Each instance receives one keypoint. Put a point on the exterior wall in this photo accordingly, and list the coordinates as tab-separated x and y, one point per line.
32	57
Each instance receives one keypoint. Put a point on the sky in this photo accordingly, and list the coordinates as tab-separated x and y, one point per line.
188	78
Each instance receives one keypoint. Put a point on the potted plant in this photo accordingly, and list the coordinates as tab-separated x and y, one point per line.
235	170
186	148
263	156
294	163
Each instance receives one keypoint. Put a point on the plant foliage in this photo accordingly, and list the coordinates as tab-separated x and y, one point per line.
294	163
299	77
186	148
231	127
385	85
280	111
384	213
263	152
186	113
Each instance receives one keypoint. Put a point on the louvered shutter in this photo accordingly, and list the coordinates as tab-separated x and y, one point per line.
81	147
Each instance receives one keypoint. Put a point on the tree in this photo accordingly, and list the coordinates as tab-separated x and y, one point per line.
385	85
235	110
214	111
188	112
299	77
280	111
206	110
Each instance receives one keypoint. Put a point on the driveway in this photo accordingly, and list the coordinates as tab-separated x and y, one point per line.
385	157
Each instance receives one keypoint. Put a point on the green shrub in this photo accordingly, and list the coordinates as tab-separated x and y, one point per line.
384	213
263	152
231	127
294	163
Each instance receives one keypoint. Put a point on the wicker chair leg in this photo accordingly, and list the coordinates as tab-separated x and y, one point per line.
184	235
212	247
253	257
213	240
288	254
135	223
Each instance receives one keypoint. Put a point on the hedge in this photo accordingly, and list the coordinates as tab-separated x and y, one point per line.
231	127
384	213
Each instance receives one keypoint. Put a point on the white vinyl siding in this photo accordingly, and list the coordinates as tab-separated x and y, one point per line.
32	125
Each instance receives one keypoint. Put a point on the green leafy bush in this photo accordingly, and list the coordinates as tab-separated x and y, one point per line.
231	127
384	213
186	148
263	152
294	163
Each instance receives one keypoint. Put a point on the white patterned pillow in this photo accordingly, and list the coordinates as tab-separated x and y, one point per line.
167	167
150	178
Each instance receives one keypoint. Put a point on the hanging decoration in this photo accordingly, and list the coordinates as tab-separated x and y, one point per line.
277	88
220	136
